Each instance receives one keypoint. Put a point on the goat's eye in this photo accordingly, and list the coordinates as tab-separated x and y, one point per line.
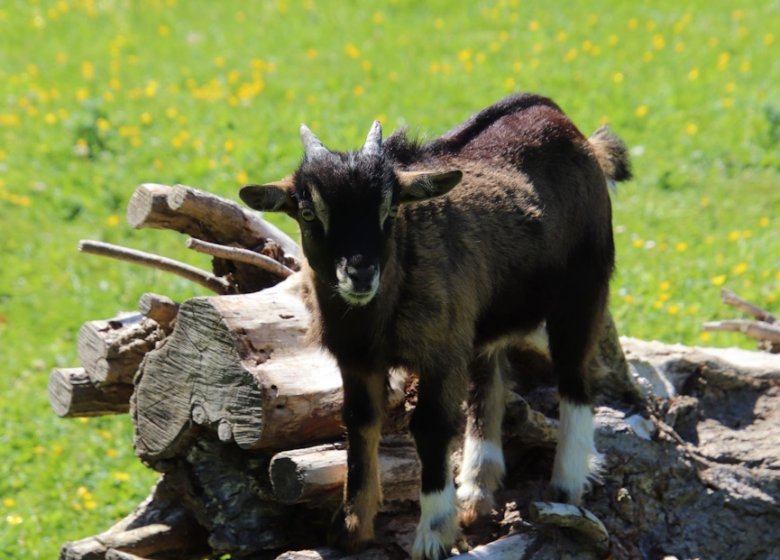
307	214
393	213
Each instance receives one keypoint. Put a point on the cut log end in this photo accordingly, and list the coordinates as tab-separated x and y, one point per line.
72	394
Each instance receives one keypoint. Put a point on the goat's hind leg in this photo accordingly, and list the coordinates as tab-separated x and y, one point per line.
482	469
572	335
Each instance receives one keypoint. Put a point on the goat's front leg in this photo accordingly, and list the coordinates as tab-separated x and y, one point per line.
364	406
434	425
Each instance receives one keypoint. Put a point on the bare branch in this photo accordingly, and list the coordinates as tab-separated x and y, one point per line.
754	329
201	277
730	298
241	255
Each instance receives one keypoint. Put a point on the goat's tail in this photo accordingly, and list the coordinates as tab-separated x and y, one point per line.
611	154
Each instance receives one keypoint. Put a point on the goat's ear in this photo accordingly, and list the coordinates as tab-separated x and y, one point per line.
271	197
422	185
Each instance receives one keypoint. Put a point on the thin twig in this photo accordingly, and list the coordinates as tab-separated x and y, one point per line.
201	277
730	298
754	329
241	255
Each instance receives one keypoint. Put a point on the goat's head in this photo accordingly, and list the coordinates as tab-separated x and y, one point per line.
345	205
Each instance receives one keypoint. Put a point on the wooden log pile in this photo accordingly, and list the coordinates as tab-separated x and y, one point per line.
241	418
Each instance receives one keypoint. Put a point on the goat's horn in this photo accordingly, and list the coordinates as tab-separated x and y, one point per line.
312	146
373	140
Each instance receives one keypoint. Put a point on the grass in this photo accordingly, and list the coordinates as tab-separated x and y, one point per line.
98	96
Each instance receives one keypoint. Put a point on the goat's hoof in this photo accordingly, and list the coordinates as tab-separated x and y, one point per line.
556	493
349	533
473	502
435	541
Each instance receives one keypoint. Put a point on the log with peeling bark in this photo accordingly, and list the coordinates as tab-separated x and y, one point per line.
111	350
161	526
214	219
73	394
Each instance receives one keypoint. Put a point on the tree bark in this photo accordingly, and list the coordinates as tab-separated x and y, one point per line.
159	527
111	350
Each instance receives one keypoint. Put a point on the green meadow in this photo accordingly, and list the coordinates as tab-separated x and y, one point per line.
97	96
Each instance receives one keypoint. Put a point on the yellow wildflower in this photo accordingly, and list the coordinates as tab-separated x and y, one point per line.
739	268
9	502
719	280
121	476
641	111
13	519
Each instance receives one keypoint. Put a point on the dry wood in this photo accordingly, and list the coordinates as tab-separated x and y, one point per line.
508	548
302	475
161	309
572	517
114	554
240	364
730	298
111	350
73	394
205	216
191	273
159	527
755	329
241	255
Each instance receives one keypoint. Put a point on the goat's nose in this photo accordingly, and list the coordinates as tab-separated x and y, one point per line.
362	276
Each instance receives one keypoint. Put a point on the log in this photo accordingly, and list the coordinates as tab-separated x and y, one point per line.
304	475
72	394
572	517
239	364
160	309
508	548
159	527
217	220
111	350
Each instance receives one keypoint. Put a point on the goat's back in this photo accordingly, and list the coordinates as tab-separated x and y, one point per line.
532	207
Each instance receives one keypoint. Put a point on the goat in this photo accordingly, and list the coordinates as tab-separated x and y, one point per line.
433	258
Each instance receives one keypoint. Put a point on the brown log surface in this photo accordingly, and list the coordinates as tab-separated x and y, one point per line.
240	364
111	350
72	394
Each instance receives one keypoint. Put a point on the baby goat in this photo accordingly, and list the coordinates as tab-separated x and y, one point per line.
433	258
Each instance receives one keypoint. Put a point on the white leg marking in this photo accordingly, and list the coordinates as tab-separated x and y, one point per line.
438	529
576	458
481	472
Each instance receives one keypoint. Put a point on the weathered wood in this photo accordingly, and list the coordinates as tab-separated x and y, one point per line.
191	273
72	394
208	217
732	299
303	475
161	309
159	527
111	350
238	254
758	330
240	364
572	517
114	554
508	548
